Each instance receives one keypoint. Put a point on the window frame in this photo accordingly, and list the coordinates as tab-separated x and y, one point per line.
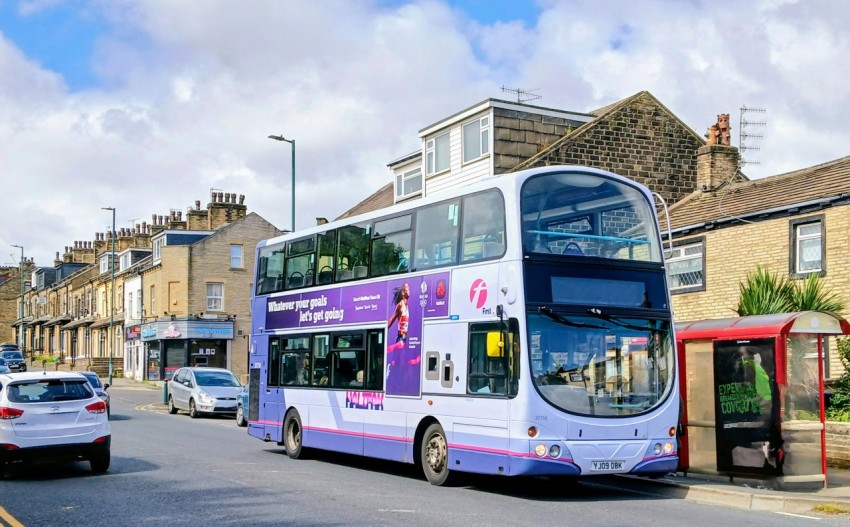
402	182
682	245
483	139
433	148
240	258
212	297
794	245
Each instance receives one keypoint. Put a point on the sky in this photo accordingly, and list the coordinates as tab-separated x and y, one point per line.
149	105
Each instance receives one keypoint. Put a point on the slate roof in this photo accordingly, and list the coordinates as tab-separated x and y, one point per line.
382	198
809	188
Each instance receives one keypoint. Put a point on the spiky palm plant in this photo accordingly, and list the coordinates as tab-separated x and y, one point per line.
763	293
811	296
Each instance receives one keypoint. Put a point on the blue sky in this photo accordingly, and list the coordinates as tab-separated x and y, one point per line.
62	37
149	105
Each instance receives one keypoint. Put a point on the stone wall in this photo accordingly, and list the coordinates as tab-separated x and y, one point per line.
641	140
838	444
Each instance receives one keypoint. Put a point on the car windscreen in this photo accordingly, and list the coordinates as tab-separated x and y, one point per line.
217	378
12	355
2	361
45	391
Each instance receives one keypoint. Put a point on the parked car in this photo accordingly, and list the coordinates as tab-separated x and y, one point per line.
201	390
14	360
242	406
99	388
8	346
4	368
52	416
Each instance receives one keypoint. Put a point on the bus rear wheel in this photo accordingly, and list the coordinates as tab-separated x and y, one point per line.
292	434
434	455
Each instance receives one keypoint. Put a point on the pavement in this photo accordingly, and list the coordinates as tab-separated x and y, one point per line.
745	493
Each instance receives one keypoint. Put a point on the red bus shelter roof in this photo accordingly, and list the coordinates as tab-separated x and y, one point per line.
810	322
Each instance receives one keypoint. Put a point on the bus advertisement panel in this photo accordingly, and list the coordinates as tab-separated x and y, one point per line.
411	300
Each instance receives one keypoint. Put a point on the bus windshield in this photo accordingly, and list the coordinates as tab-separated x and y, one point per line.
600	366
585	214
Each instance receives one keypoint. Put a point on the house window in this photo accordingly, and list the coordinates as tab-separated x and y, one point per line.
215	296
157	248
807	246
131	307
125	262
408	183
437	154
104	262
476	139
153	300
686	267
236	257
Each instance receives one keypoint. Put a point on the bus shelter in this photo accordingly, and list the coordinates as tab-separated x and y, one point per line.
753	395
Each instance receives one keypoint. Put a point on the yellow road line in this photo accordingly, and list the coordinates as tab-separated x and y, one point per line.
8	518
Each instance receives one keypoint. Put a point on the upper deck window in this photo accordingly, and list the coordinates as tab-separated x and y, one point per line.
588	215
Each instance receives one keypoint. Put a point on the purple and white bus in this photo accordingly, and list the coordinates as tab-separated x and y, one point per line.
517	326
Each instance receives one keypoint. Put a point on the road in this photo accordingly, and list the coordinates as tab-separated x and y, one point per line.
172	470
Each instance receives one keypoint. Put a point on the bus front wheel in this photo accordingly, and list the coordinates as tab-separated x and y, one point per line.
434	455
292	434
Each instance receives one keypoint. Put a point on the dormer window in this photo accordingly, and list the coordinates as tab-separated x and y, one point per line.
104	262
476	139
158	244
437	154
408	183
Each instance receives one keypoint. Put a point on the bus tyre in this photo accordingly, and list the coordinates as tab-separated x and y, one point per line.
171	408
292	434
434	455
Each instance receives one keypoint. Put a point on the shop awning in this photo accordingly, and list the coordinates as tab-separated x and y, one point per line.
79	323
61	319
104	322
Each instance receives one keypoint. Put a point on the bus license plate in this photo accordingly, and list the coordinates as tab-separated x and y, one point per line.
606	466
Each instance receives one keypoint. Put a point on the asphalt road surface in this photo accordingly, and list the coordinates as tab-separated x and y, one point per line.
171	470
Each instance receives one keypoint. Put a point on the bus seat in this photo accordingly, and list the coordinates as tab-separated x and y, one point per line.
344	274
296	280
308	278
360	271
326	275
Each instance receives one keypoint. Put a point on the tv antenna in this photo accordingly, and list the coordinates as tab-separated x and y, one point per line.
743	135
523	96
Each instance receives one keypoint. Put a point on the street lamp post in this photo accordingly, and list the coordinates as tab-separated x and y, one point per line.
112	295
291	142
23	327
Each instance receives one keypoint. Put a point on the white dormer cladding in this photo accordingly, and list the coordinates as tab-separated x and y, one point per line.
473	139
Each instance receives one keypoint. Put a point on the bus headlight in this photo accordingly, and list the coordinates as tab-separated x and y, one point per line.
657	449
555	451
540	450
668	447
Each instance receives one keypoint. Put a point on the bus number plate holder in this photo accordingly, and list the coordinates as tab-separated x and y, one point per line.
606	466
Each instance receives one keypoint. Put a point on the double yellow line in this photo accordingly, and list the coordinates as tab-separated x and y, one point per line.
10	520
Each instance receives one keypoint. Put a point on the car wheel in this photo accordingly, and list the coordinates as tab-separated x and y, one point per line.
171	408
292	435
193	412
434	455
240	416
99	460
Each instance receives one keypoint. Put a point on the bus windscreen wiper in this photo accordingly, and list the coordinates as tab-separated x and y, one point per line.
543	310
617	322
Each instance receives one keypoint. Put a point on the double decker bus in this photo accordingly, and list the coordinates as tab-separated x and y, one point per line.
517	326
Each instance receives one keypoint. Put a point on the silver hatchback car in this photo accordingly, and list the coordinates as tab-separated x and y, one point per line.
203	391
52	416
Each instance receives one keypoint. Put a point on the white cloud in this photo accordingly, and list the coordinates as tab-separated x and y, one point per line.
191	90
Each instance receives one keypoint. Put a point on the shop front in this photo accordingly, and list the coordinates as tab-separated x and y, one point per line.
172	344
133	355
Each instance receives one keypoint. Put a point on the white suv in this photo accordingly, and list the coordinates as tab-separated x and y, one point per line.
52	416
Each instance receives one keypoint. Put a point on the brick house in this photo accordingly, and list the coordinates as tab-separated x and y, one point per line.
793	224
